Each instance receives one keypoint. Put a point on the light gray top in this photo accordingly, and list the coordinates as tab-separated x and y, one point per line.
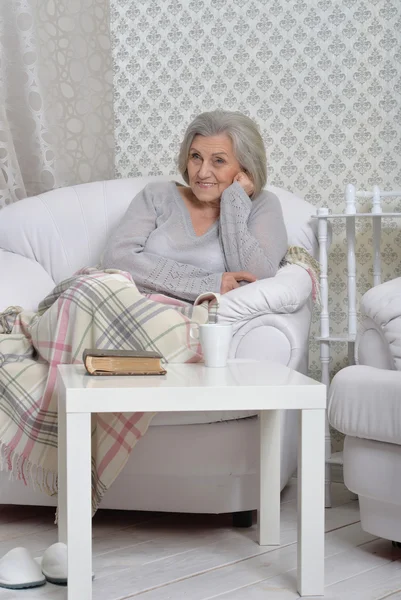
156	242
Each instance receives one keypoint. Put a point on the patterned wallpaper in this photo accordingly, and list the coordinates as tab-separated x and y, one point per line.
321	78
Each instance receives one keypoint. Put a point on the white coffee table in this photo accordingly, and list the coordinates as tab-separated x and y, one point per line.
243	385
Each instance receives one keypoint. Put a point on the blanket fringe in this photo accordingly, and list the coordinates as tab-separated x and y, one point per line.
21	469
8	317
296	255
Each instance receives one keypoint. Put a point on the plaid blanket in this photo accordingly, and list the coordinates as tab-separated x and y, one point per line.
92	309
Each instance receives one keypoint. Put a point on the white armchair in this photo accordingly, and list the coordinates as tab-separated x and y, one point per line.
365	404
45	239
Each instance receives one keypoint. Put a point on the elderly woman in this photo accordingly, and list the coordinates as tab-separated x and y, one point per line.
210	236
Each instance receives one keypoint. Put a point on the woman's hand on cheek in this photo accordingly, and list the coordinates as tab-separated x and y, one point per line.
245	182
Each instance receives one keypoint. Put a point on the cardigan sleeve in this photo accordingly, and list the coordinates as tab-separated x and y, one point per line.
253	234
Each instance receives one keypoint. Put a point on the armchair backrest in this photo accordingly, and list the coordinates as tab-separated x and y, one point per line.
67	228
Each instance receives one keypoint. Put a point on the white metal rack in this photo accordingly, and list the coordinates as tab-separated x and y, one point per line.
325	338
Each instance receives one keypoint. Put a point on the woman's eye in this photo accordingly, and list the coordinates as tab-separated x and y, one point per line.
195	156
220	161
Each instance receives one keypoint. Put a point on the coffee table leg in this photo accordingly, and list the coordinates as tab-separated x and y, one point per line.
269	507
79	506
62	470
311	502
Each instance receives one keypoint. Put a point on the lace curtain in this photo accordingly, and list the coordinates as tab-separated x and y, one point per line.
56	104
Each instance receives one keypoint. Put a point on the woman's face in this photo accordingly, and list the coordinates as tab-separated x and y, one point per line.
212	166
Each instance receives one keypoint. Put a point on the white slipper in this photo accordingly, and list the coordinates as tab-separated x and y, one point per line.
54	564
18	570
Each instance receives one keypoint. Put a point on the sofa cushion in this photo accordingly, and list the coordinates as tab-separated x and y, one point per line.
198	417
365	402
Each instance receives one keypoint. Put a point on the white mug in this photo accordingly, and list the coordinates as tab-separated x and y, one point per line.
215	339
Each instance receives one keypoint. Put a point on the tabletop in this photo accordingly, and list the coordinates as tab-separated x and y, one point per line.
241	385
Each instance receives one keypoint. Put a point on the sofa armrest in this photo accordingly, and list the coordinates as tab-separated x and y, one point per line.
382	303
24	282
378	342
285	293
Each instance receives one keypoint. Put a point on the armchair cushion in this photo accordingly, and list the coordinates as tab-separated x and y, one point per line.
365	402
382	304
67	228
300	224
287	292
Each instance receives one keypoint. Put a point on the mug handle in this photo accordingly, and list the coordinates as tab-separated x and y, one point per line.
192	334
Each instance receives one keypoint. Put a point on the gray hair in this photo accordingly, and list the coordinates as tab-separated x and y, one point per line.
244	134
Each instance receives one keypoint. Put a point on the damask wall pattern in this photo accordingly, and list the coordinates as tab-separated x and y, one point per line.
321	78
56	106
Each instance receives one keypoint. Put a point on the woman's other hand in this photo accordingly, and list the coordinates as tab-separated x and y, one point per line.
245	182
229	281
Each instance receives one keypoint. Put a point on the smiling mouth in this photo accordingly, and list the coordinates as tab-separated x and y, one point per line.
205	184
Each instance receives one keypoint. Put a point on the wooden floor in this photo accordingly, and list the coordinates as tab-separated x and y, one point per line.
151	556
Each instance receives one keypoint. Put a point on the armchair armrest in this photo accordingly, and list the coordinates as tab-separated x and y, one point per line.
285	293
282	338
271	318
24	282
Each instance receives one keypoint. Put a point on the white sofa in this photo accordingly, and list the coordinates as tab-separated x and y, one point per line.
365	404
188	462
